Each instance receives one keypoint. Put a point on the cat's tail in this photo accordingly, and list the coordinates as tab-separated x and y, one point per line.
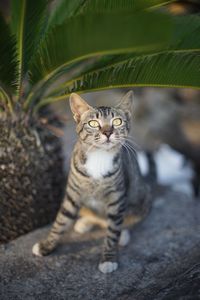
152	175
143	200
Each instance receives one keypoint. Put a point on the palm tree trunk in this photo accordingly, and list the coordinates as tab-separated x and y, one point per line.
32	179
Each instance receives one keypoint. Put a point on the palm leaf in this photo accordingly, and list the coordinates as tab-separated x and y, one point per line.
171	69
62	10
5	101
121	5
99	63
164	69
90	34
182	42
186	33
8	61
27	20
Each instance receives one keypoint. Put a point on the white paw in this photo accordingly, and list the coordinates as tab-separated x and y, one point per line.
124	238
82	226
108	267
36	250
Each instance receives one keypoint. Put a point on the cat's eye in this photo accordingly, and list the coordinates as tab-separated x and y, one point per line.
93	123
117	122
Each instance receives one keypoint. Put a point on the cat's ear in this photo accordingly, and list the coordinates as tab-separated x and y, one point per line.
78	106
126	103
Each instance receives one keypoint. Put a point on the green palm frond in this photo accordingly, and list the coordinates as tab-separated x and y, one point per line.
97	34
183	42
27	25
85	45
97	64
169	69
5	101
164	69
8	60
186	33
62	10
65	9
121	5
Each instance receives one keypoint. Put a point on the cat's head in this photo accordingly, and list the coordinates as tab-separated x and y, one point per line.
104	127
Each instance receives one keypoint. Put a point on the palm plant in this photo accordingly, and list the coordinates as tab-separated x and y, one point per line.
50	49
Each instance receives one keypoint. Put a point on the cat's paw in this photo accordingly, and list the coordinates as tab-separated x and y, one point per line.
108	267
43	248
36	250
82	226
124	238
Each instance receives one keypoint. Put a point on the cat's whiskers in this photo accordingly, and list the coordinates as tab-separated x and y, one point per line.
130	145
131	140
129	148
128	142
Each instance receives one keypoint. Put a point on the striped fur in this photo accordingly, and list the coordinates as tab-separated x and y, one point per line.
103	177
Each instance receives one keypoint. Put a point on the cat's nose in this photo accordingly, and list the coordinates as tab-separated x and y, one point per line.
107	131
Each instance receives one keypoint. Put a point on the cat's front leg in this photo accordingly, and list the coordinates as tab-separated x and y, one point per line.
65	219
115	213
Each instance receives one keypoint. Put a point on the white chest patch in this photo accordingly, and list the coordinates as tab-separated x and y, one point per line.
99	163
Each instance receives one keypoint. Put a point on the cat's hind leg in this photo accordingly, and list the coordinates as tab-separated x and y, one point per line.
83	225
88	219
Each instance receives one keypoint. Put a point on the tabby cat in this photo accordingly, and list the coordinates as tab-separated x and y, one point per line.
104	177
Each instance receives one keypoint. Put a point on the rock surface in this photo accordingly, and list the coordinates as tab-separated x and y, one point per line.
161	262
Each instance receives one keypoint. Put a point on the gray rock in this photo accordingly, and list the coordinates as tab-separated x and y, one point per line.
161	262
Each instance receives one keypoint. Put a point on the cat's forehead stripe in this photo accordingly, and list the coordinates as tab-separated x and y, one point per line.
104	111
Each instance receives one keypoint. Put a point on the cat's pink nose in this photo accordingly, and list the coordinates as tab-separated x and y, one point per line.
107	131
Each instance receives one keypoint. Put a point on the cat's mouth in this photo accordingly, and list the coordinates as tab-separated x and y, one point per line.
108	144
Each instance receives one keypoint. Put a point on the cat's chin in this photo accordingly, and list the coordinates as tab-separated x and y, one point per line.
109	146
